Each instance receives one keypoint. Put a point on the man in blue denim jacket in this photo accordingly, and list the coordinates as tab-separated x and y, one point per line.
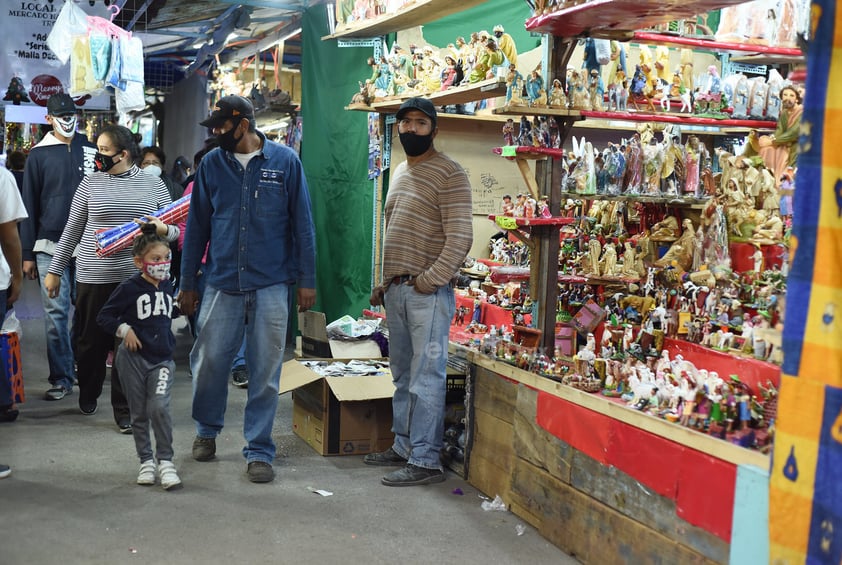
250	207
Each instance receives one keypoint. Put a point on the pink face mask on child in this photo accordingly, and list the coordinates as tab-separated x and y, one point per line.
158	271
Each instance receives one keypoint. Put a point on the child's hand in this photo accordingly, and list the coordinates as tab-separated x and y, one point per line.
131	342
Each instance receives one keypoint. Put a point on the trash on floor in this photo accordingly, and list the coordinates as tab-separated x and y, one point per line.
320	491
494	505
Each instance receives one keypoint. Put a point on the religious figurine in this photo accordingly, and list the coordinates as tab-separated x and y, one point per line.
509	134
596	91
779	150
534	84
514	86
609	260
557	99
506	44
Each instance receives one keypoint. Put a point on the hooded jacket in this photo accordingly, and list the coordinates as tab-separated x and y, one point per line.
53	171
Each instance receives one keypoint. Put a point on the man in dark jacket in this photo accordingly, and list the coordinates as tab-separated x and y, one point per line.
54	169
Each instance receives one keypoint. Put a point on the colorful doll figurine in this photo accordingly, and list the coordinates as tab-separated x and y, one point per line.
514	86
509	132
558	99
534	84
596	89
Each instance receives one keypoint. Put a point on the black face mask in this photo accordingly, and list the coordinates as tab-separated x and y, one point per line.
227	141
414	144
104	163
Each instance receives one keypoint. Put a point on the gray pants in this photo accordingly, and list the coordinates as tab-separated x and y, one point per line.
147	388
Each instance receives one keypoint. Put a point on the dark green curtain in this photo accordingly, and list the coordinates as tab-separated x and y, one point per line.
335	157
510	14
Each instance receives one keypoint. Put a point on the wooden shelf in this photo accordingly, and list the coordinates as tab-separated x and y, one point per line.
529	152
681	119
617	19
698	42
523	110
489	88
705	443
696	203
418	13
527	222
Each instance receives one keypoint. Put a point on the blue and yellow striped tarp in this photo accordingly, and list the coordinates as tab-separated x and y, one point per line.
805	498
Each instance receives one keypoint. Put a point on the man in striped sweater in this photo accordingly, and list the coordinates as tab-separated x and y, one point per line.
429	232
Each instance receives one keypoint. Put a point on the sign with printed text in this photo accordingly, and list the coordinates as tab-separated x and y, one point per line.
29	71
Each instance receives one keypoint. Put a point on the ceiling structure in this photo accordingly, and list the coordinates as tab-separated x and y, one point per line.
182	37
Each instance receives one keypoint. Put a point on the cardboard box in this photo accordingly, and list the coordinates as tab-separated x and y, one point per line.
315	343
340	415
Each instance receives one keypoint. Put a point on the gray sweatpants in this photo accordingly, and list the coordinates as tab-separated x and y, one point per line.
147	388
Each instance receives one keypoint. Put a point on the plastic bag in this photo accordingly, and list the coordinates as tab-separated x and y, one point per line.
130	99
82	79
496	505
131	64
112	77
603	51
11	324
71	21
100	55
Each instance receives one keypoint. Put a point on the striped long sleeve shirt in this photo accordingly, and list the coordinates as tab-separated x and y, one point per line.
429	228
106	201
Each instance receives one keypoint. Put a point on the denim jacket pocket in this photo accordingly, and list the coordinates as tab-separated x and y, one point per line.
270	195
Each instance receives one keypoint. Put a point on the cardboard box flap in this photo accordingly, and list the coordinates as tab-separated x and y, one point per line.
294	375
313	324
361	388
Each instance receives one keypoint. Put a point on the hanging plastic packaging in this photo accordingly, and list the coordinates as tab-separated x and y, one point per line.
71	21
82	79
100	55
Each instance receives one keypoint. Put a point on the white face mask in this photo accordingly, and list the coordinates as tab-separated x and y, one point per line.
158	271
153	170
65	125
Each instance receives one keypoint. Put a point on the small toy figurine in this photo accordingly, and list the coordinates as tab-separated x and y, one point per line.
557	97
508	206
534	83
596	90
476	317
514	86
509	133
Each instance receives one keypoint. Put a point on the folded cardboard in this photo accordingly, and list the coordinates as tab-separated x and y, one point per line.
350	415
315	343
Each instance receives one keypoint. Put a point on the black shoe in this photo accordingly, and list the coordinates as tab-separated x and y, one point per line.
260	472
204	448
412	475
240	376
388	458
124	426
57	393
87	408
8	414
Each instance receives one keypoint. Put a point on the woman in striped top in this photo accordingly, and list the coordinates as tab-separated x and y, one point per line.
118	193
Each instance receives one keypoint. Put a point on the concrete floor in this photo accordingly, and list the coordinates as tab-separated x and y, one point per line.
72	498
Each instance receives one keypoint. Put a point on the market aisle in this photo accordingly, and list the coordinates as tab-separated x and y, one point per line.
71	497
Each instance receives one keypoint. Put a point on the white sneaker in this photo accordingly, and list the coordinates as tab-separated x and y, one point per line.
146	476
168	474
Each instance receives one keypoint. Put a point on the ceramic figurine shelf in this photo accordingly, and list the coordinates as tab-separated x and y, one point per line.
681	119
693	203
489	88
540	221
523	110
617	19
696	42
418	13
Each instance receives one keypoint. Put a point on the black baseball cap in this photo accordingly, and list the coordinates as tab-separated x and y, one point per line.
61	104
417	103
229	108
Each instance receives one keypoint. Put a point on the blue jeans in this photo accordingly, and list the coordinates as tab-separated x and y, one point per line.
240	358
224	318
5	386
419	326
57	323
